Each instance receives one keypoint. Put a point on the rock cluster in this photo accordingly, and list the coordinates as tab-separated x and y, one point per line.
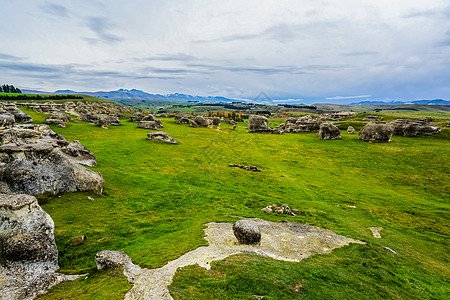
146	121
182	119
35	160
200	121
249	168
247	232
407	127
161	136
59	119
376	132
328	131
259	124
27	248
283	209
302	124
371	118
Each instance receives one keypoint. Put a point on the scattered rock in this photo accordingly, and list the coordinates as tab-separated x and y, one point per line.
302	124
200	121
78	240
247	232
329	131
376	231
80	154
406	127
112	259
228	121
27	249
351	130
249	168
215	120
371	118
161	136
376	132
283	209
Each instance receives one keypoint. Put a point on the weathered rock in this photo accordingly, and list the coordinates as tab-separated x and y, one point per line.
371	118
27	248
161	136
36	160
376	132
149	125
329	131
138	116
193	124
55	121
202	121
258	124
109	259
351	130
182	120
215	120
407	127
80	154
7	120
103	119
19	115
247	232
228	121
302	124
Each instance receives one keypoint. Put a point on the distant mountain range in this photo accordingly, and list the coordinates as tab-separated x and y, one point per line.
423	102
138	94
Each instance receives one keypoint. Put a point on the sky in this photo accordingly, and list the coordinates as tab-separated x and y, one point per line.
307	51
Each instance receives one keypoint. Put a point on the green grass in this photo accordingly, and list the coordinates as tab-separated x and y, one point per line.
45	98
157	197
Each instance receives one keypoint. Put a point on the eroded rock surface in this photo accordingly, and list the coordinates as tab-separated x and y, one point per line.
284	241
161	136
407	127
302	124
329	131
258	124
29	257
112	259
247	232
34	160
376	132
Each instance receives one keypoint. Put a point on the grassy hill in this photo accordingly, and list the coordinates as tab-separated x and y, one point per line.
158	196
23	98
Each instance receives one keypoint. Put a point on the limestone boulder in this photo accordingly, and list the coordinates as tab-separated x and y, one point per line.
161	136
329	131
351	130
376	132
202	121
258	124
27	248
407	127
80	154
7	120
247	232
153	125
19	115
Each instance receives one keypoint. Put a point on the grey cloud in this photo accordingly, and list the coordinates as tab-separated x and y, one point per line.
55	9
167	57
362	53
9	57
101	27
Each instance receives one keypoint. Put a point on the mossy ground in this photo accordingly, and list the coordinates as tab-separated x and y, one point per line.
157	197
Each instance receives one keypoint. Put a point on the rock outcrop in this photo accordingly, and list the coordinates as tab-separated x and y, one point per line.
161	136
247	232
19	116
113	259
249	168
329	131
6	120
35	160
302	124
407	127
29	257
376	132
258	124
200	121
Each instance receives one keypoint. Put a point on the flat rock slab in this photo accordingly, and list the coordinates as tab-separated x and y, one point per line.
283	241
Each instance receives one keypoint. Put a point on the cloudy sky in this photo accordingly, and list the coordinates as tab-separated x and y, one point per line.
338	51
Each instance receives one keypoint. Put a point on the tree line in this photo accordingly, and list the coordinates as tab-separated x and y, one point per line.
4	88
38	97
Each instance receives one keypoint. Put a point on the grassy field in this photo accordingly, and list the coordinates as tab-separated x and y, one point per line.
157	197
46	98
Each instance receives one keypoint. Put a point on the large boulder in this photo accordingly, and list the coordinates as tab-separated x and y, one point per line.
202	121
351	130
302	124
376	132
407	127
329	131
103	119
138	116
148	125
19	115
247	232
109	259
258	124
36	160
215	120
28	253
161	136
